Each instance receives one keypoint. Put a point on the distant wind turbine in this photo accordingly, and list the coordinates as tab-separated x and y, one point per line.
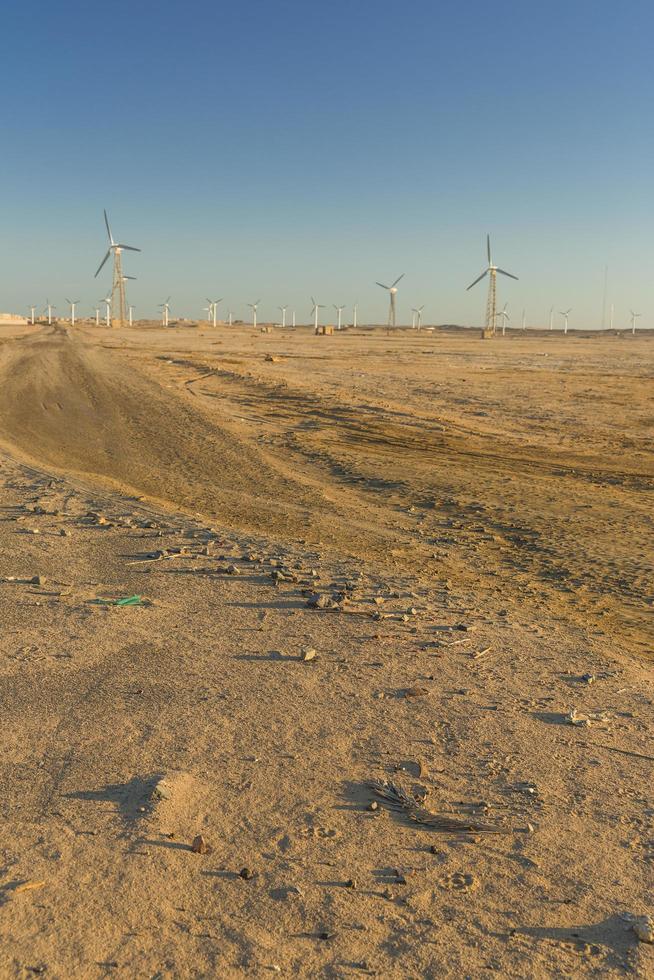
315	312
165	312
31	309
565	314
293	318
118	301
253	307
392	291
524	320
49	307
72	303
551	317
505	316
417	316
97	316
634	317
107	301
283	312
130	310
339	313
354	315
491	271
213	309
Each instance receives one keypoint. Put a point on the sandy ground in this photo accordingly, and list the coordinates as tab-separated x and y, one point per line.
478	518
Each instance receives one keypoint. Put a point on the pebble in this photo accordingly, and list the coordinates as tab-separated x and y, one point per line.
38	580
644	928
246	874
308	654
200	845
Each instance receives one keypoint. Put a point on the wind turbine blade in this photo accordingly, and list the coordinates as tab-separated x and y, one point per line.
129	277
128	248
509	274
488	249
383	286
397	280
67	300
106	221
103	261
478	279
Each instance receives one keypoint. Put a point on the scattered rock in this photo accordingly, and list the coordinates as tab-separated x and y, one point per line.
320	600
246	874
38	580
643	926
308	654
416	692
232	570
200	845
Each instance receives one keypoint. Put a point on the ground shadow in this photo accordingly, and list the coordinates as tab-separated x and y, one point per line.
613	934
133	799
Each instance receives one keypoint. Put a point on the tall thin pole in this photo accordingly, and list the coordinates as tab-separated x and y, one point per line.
524	320
229	317
293	317
552	318
354	316
413	320
32	308
130	315
606	276
97	316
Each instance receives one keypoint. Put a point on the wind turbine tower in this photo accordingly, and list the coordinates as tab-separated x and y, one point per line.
315	313
283	312
72	303
31	309
130	310
565	314
551	318
505	316
117	295
491	302
253	307
634	317
107	301
97	316
339	314
49	307
165	311
213	309
417	316
354	315
392	292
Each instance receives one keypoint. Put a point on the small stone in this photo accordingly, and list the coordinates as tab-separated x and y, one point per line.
246	874
63	533
200	845
308	654
232	570
325	935
643	926
38	580
350	883
373	806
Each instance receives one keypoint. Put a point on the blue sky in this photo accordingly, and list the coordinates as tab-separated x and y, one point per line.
278	150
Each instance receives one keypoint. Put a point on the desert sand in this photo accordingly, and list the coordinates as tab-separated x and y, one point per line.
391	655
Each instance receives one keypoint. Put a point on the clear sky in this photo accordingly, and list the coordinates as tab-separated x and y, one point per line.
277	150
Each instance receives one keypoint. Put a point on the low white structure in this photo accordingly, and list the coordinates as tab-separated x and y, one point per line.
13	320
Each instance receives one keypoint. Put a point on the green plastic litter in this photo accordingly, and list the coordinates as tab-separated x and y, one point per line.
133	600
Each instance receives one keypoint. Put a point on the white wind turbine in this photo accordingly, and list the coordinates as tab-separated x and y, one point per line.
293	319
634	317
524	320
491	271
505	316
118	284
339	314
315	312
165	312
72	303
31	309
283	312
130	311
551	318
254	307
354	315
107	301
565	314
97	316
417	315
392	291
213	309
49	307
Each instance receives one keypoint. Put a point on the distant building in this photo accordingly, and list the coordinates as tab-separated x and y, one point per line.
12	320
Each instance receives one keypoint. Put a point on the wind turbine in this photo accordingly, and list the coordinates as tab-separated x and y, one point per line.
165	310
31	309
213	309
283	311
339	313
229	317
565	315
354	315
253	307
72	303
491	271
118	284
130	310
49	307
97	316
551	317
634	317
315	312
392	290
524	320
505	316
417	315
107	300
